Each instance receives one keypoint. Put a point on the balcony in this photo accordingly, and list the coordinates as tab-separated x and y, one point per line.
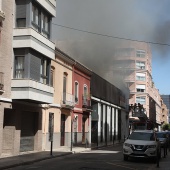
31	90
1	82
29	38
86	103
67	101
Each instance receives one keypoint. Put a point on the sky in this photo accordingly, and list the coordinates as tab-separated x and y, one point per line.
90	30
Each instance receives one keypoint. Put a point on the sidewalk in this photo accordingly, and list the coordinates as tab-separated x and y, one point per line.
23	159
31	157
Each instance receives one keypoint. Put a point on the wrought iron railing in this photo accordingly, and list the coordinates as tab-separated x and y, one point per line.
67	99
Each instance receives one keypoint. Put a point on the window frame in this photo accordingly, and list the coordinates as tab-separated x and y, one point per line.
141	53
139	98
19	69
76	91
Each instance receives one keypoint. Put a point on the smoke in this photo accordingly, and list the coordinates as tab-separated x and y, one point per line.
145	20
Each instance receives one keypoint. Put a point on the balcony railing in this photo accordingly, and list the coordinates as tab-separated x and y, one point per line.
86	104
67	101
1	81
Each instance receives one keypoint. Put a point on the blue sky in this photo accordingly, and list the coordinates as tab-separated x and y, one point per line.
143	20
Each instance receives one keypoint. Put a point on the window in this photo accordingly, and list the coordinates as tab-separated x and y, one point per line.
52	78
85	95
43	71
76	92
45	25
35	17
140	65
21	22
141	99
19	67
142	136
140	76
64	87
140	53
140	88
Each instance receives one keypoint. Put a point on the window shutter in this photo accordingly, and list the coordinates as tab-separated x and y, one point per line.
20	9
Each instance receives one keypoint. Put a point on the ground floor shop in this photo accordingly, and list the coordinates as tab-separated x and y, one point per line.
109	123
21	129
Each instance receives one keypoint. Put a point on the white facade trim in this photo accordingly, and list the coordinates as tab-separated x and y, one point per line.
28	37
104	102
5	99
49	5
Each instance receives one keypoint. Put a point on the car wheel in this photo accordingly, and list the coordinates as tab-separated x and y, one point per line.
125	157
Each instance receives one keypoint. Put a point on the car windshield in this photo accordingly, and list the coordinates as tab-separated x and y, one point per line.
142	136
161	135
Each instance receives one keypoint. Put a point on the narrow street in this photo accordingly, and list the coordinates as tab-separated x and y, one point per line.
101	159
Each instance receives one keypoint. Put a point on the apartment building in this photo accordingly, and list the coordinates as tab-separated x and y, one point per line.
164	115
166	101
82	109
133	64
6	31
25	73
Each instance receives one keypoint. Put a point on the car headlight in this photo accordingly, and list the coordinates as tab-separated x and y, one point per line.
151	146
127	144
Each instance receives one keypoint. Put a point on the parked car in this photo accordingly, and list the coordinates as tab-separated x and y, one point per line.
168	136
163	138
142	143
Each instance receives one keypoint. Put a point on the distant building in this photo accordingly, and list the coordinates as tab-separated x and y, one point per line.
166	100
132	63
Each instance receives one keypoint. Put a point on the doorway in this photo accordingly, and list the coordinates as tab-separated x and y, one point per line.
62	142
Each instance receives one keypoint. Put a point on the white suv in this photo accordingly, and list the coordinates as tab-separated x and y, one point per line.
142	143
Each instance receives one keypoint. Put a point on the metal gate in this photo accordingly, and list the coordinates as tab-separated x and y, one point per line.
28	122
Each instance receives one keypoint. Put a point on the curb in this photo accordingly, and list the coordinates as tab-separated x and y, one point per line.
33	161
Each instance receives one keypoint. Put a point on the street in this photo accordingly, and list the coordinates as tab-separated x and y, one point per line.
102	159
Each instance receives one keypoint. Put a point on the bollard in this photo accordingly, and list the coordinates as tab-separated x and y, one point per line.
157	159
86	143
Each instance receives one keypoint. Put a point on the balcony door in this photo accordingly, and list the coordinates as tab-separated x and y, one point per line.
83	130
62	142
64	87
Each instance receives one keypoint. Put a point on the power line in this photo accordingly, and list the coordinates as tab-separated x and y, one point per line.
110	36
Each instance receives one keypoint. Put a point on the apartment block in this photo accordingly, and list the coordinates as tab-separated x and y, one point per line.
133	64
6	31
166	101
25	72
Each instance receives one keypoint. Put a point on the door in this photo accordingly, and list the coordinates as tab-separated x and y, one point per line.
62	142
75	131
28	124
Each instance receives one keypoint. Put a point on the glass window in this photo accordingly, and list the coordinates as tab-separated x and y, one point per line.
21	22
142	136
140	88
19	67
45	25
140	53
140	76
141	100
76	92
64	88
140	65
52	77
43	71
35	17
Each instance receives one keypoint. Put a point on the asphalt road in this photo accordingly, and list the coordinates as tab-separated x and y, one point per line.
109	158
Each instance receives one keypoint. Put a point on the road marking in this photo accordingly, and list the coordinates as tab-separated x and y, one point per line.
120	165
102	151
